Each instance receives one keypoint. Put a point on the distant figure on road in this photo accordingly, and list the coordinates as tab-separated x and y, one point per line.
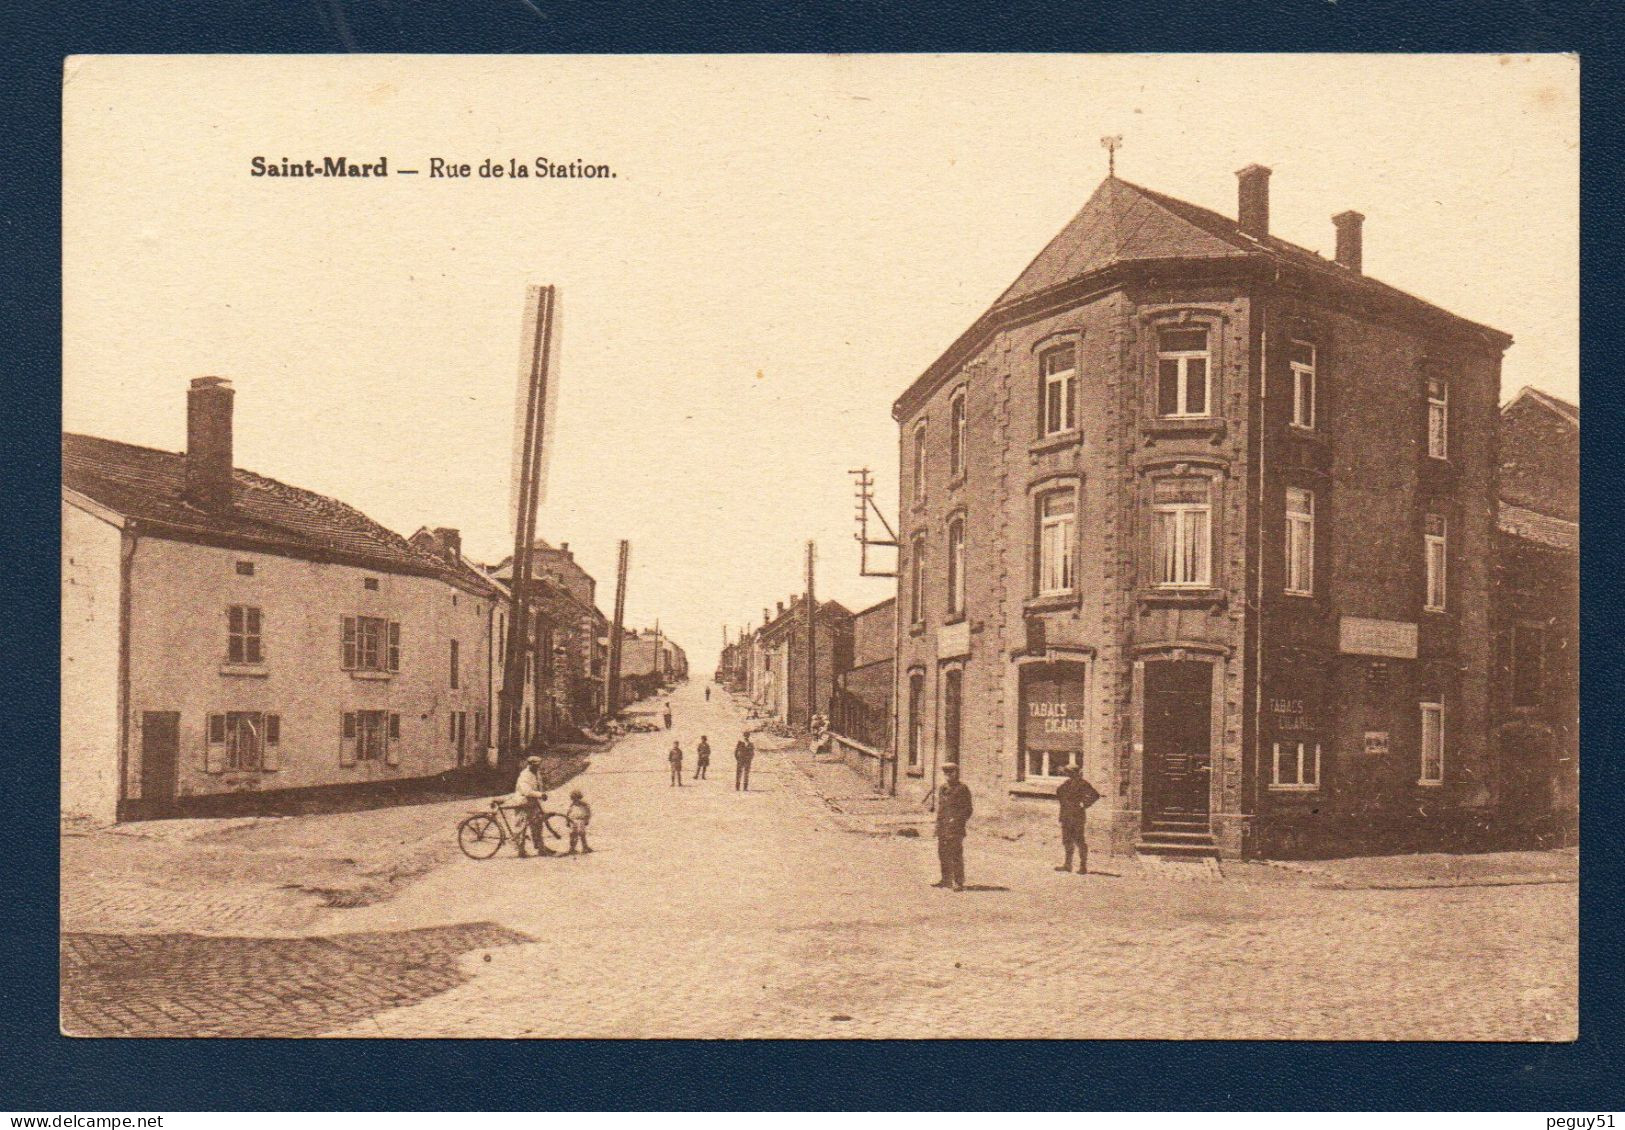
707	694
744	753
702	759
1075	796
676	759
953	813
579	815
528	788
668	716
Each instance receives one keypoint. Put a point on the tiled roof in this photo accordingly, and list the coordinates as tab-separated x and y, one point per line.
147	485
1542	529
1556	405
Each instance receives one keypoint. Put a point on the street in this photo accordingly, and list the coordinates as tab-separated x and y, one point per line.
705	912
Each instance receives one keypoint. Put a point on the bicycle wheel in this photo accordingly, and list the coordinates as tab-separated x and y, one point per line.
556	824
481	836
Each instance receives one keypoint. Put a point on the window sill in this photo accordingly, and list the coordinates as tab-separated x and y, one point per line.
1037	787
956	481
1435	611
1050	602
1430	784
1174	427
1294	788
1297	594
244	670
1056	442
954	618
914	772
1185	598
1308	432
373	676
916	629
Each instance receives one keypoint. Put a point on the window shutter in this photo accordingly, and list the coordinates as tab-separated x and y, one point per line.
268	748
214	751
347	739
347	643
392	748
394	646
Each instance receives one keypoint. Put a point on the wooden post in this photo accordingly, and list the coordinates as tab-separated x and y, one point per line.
811	607
616	632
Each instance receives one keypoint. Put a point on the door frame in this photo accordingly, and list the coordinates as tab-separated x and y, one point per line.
156	805
1216	659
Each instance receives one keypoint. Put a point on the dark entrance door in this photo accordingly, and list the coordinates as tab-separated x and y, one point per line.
160	755
1178	739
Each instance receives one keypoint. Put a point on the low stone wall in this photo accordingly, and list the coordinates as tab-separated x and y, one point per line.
874	764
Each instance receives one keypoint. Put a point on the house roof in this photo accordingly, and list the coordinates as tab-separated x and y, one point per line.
1123	223
147	486
1568	413
1541	529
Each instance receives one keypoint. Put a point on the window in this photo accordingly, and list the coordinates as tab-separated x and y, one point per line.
1434	541
1432	743
370	643
1054	721
370	583
916	574
1528	663
1296	765
1057	524
919	462
456	674
243	635
242	741
956	436
1303	384
956	567
1182	529
952	682
370	735
1300	541
1057	370
916	720
1438	418
245	568
1182	373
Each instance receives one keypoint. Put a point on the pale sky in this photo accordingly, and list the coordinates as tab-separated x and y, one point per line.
787	243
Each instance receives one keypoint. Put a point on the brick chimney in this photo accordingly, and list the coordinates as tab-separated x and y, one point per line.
450	541
781	608
1253	201
208	444
1350	240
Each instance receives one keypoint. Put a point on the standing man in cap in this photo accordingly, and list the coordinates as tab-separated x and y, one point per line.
744	754
528	790
953	813
675	758
1075	796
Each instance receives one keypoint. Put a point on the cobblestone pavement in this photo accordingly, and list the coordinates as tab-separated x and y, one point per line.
710	913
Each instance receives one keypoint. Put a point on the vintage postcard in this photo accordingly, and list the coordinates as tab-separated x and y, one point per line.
1033	546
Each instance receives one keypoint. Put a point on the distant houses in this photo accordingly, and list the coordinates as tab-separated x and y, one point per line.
226	634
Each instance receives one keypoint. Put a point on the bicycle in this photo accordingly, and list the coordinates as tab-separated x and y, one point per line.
482	834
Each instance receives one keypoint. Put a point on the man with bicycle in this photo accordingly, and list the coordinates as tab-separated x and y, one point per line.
528	789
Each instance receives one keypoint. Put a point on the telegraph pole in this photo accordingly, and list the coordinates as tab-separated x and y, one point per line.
540	303
811	605
614	689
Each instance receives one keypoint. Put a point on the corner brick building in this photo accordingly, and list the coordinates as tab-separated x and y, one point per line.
1212	517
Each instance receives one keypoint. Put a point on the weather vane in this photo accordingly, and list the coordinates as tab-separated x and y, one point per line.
1112	144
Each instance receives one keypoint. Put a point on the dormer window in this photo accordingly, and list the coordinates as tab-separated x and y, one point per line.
1183	373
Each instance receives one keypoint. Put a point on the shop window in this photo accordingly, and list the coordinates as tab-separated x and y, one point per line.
1053	723
1295	765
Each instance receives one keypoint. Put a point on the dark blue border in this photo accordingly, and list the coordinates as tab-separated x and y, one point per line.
43	1072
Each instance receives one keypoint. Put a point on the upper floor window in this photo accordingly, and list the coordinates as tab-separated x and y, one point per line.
1057	537
956	566
919	461
1432	744
1303	384
956	436
1300	541
1438	418
243	634
916	574
1182	532
1435	547
1058	372
1183	373
371	643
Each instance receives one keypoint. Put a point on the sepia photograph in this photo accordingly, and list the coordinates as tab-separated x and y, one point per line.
760	547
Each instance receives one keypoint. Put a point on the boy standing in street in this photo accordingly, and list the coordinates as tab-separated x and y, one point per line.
675	757
702	759
1075	796
579	815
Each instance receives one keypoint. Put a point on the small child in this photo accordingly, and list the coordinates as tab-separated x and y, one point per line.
579	816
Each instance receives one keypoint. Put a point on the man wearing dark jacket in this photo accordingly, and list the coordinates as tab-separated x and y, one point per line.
744	754
953	813
1075	796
